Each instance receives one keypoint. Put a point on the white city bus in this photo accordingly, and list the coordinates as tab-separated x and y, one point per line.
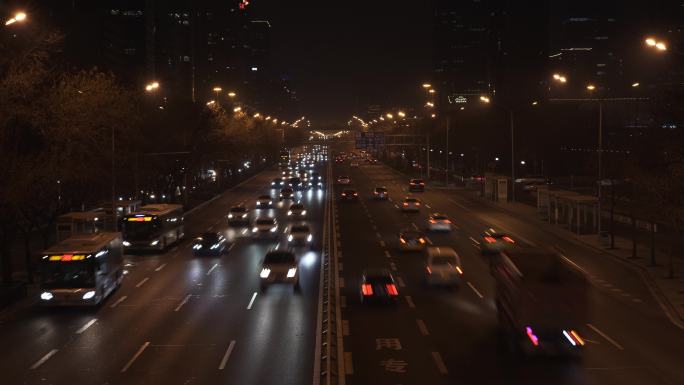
154	227
82	269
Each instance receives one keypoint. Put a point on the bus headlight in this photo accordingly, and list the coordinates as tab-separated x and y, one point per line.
291	273
154	243
89	294
265	273
126	243
46	296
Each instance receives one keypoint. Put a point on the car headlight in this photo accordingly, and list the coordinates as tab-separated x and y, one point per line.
154	243
230	216
244	216
215	246
89	294
197	246
290	237
303	212
289	212
309	238
272	183
291	273
255	229
265	273
126	243
273	229
270	202
46	296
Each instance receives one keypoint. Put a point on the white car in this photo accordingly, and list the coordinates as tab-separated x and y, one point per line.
443	266
410	204
238	215
264	226
299	234
296	210
264	202
439	222
344	180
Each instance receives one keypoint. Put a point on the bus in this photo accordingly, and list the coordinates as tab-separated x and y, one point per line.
83	269
154	227
284	159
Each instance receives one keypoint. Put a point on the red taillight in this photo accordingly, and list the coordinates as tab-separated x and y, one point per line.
417	203
402	240
375	192
490	240
392	289
355	194
405	204
433	221
530	334
429	270
367	289
447	221
508	239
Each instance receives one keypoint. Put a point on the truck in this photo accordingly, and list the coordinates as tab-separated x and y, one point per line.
83	269
541	301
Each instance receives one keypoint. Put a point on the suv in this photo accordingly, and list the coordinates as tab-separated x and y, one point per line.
380	193
416	185
279	266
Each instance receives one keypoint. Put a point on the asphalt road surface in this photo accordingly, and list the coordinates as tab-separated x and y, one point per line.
181	319
443	336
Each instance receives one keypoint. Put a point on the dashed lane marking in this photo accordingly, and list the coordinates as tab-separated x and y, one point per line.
428	206
604	335
474	240
212	268
422	327
135	356
387	254
183	302
341	282
429	241
440	363
118	301
86	326
251	301
409	301
43	359
378	235
163	265
393	266
475	290
382	244
400	281
348	365
415	226
142	282
226	356
345	327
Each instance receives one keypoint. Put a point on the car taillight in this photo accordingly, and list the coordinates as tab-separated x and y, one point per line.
447	222
433	221
458	268
421	240
417	203
367	289
355	194
530	334
391	289
402	240
490	240
405	204
508	239
429	270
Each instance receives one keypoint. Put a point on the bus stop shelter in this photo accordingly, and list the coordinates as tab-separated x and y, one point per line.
578	212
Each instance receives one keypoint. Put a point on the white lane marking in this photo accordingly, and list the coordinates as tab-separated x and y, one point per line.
428	206
135	356
251	301
393	266
375	227
226	356
474	240
382	244
568	260
440	363
409	301
160	267
231	246
212	268
341	282
422	327
378	235
183	302
475	290
429	241
210	228
415	226
340	267
345	327
389	199
387	254
348	365
396	206
86	326
42	360
400	281
604	335
142	282
118	301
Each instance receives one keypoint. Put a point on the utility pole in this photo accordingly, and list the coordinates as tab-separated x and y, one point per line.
115	226
428	156
510	112
600	165
446	169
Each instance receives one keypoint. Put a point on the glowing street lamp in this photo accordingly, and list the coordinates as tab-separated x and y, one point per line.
211	102
401	114
427	85
560	78
232	94
257	115
152	86
484	99
17	18
635	84
431	90
659	45
237	109
591	87
389	116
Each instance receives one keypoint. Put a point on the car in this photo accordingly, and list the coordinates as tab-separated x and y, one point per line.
439	222
296	210
277	182
299	234
412	240
279	266
380	193
344	180
264	202
494	242
238	215
295	183
354	164
286	193
416	185
349	195
410	204
377	285
265	226
211	243
443	267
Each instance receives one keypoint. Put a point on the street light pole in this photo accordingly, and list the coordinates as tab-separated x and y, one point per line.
600	164
446	169
512	124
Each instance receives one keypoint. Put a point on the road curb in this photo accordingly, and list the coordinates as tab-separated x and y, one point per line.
664	302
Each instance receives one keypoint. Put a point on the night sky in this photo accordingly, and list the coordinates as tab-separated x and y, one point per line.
344	55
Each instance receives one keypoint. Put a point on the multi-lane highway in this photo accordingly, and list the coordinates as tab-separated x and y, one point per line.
447	336
179	318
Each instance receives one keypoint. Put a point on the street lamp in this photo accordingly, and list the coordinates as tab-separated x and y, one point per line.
427	85
389	116
211	102
232	94
432	90
560	78
658	45
257	115
591	87
511	121
17	18
484	99
152	86
635	84
401	114
237	109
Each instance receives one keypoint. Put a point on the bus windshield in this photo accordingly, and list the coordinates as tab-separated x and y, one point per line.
68	275
140	230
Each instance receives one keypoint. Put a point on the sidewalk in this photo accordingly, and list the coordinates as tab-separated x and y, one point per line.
669	290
